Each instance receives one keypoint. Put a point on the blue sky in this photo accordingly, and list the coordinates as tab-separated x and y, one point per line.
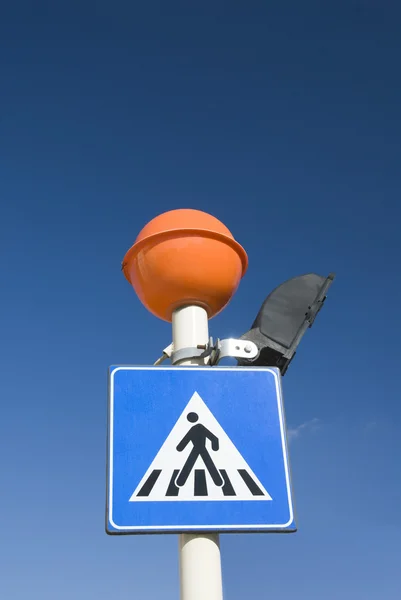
281	119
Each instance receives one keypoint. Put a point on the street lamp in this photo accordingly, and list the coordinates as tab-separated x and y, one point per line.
285	315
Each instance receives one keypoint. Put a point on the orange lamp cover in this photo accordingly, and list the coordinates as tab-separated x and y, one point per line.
185	257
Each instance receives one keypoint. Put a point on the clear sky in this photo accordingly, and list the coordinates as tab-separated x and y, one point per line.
283	120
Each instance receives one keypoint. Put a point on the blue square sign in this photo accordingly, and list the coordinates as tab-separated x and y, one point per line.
197	449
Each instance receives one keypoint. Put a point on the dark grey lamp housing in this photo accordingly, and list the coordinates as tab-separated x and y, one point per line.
285	315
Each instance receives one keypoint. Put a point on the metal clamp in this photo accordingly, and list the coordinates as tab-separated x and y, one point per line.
200	351
234	349
215	352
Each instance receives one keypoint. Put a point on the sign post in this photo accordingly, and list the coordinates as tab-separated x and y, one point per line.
199	554
194	448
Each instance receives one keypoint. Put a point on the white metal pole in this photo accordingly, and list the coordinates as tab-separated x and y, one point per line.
199	554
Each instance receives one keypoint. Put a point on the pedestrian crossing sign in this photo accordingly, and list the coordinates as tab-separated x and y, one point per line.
197	449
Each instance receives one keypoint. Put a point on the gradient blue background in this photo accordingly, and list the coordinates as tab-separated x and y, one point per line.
144	407
283	120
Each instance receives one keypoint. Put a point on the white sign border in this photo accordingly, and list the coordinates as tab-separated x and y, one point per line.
194	528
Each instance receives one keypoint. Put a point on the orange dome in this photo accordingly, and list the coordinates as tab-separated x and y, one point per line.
185	257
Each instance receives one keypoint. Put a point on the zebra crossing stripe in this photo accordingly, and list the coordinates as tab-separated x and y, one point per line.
172	489
200	483
252	485
149	483
228	489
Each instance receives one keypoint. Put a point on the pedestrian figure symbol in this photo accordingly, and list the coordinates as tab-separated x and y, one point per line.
198	461
198	434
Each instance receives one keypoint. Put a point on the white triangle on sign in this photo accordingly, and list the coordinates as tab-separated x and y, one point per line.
215	469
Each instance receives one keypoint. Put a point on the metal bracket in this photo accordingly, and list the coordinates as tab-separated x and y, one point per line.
200	351
214	352
234	349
